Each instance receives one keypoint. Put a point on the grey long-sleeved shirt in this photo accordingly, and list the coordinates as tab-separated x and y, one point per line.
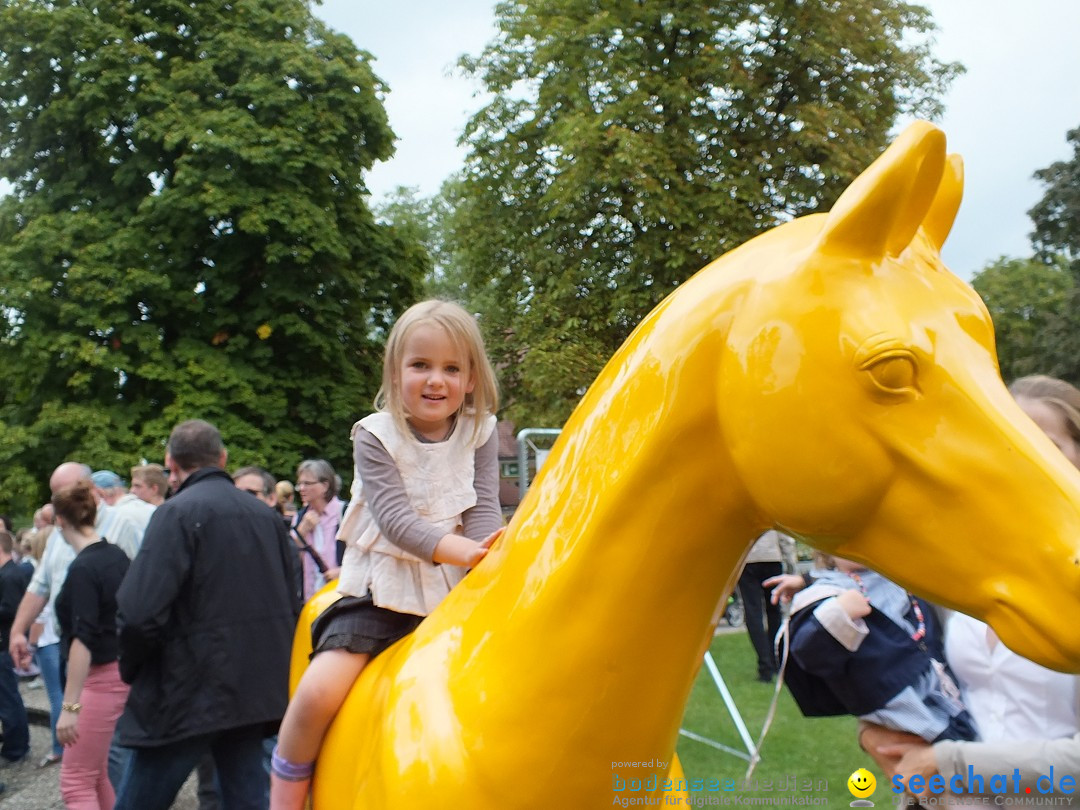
1031	758
398	521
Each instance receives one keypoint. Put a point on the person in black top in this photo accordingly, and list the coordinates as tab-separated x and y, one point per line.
94	695
13	581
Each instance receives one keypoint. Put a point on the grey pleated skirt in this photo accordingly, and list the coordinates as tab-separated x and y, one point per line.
358	625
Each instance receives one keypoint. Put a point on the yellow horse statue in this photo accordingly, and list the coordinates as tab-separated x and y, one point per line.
831	378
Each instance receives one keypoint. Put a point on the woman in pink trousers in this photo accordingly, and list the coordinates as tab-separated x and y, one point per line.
86	613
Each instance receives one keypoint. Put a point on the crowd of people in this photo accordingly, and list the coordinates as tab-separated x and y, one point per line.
146	611
61	604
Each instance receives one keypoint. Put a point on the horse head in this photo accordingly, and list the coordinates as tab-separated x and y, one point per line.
864	410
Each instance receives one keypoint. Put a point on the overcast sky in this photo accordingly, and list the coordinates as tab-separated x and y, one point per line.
1007	115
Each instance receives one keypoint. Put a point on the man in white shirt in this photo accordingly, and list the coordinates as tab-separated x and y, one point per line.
111	490
52	570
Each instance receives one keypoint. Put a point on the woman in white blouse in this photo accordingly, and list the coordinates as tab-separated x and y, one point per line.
1011	697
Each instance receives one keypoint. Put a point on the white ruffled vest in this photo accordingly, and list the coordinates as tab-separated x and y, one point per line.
438	481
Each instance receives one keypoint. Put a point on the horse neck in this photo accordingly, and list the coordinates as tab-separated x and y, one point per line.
652	543
618	556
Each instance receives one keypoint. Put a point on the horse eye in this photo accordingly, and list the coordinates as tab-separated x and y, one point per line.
894	373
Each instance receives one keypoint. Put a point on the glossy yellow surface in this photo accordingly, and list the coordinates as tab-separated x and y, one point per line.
830	378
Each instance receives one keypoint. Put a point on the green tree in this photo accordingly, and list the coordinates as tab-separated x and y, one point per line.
1024	296
628	144
1057	230
420	220
188	234
1057	214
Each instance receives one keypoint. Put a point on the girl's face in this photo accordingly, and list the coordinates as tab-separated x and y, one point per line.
1054	425
434	376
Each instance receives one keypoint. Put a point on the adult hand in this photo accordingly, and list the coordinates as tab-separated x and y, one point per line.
19	647
309	521
912	760
67	728
784	587
886	745
332	573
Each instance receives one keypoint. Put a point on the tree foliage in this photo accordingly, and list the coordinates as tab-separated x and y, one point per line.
188	234
1057	214
1026	297
420	220
1057	229
628	144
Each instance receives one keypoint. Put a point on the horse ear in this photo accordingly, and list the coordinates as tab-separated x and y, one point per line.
939	220
879	213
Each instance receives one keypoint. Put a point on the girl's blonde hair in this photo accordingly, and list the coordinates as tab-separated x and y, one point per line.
464	333
1054	392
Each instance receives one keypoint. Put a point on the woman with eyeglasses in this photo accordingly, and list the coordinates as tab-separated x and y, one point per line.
315	526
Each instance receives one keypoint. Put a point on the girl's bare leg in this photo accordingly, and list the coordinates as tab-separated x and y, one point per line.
319	695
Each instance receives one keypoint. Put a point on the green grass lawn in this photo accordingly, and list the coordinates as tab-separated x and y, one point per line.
798	751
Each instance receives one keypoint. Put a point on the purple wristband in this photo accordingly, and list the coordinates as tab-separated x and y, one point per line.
290	771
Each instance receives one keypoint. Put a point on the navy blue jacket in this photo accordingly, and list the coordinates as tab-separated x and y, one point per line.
826	678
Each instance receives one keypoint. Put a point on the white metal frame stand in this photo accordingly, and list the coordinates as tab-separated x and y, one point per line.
751	752
525	443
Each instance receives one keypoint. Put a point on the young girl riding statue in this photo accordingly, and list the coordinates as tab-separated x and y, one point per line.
424	510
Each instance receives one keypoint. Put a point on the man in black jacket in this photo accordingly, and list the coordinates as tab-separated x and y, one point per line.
206	616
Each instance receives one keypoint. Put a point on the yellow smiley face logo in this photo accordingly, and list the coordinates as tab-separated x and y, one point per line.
861	784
